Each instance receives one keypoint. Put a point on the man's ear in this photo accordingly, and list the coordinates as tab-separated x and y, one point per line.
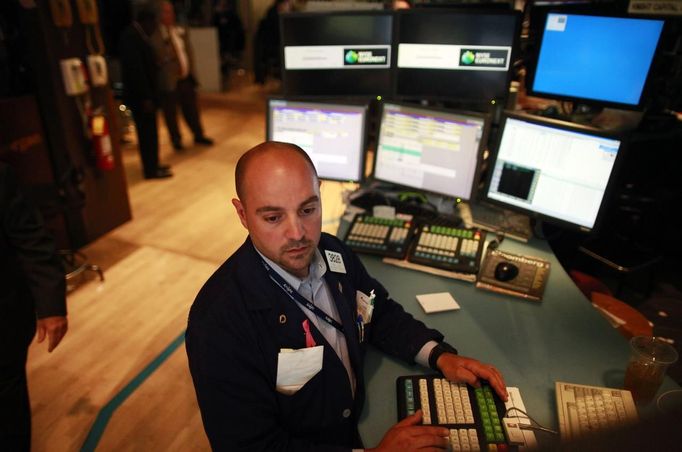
240	211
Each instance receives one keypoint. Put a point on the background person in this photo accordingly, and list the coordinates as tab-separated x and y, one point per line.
177	82
230	34
32	286
266	51
140	72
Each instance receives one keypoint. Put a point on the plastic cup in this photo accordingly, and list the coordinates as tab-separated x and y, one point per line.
649	359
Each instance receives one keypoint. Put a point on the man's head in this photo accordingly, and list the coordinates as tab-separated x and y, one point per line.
167	14
279	203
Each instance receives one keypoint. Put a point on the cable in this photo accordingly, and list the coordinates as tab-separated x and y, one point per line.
536	425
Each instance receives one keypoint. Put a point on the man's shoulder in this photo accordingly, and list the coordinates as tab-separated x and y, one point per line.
222	289
332	243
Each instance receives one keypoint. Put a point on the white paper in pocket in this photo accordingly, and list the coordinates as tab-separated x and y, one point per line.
296	367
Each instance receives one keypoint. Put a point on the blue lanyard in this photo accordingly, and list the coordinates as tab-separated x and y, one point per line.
297	297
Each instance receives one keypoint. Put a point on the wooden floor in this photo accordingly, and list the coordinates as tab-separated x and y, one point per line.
122	367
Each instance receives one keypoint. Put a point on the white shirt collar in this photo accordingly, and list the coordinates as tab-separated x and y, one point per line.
317	270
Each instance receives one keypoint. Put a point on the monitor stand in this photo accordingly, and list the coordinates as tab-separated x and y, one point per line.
432	209
501	221
610	119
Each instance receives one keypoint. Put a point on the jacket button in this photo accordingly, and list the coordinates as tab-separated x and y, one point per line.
346	412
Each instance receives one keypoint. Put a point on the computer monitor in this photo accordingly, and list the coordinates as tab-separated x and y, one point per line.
429	149
333	134
456	55
337	53
552	170
604	60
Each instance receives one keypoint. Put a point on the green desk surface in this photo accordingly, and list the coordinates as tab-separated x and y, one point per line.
534	344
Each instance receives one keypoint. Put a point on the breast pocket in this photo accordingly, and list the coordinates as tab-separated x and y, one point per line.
296	367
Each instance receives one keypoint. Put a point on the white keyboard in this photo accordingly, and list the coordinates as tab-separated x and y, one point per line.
583	409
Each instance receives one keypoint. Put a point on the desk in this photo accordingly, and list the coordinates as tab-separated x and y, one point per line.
533	344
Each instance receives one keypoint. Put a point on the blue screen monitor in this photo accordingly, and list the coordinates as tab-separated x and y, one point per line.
595	59
333	134
552	170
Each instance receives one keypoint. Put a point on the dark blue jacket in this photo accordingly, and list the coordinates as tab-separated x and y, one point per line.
234	336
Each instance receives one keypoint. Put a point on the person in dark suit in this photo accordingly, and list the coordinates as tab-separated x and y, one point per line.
140	71
177	82
32	286
293	298
266	42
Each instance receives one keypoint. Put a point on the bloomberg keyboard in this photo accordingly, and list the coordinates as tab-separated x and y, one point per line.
449	248
474	416
375	235
584	409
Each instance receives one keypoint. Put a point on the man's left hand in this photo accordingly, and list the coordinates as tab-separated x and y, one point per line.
54	328
468	370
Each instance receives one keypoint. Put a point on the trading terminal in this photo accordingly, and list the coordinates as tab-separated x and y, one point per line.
457	183
454	165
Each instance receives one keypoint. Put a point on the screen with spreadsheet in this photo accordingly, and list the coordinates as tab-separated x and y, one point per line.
432	150
553	169
332	134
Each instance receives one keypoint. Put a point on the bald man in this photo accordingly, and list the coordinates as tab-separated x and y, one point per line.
277	336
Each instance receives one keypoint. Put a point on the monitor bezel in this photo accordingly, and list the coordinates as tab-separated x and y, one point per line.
478	103
566	126
646	89
486	117
327	101
360	12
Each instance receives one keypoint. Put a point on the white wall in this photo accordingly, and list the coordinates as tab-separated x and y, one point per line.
204	42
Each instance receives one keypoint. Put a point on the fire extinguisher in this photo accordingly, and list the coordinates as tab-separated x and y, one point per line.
101	142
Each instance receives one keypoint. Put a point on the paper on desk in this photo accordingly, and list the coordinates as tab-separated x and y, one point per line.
296	367
437	302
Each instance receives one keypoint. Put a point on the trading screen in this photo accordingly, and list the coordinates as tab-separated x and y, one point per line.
429	150
558	173
331	134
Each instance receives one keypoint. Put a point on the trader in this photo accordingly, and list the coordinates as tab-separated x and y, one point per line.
277	336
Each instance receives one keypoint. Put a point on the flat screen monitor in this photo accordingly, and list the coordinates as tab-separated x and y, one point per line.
333	134
337	53
457	55
595	59
552	169
431	150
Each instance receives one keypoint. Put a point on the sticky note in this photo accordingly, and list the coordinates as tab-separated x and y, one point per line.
437	302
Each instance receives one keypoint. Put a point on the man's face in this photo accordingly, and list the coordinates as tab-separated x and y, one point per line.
281	208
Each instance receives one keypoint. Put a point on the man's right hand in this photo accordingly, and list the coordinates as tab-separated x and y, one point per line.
409	434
